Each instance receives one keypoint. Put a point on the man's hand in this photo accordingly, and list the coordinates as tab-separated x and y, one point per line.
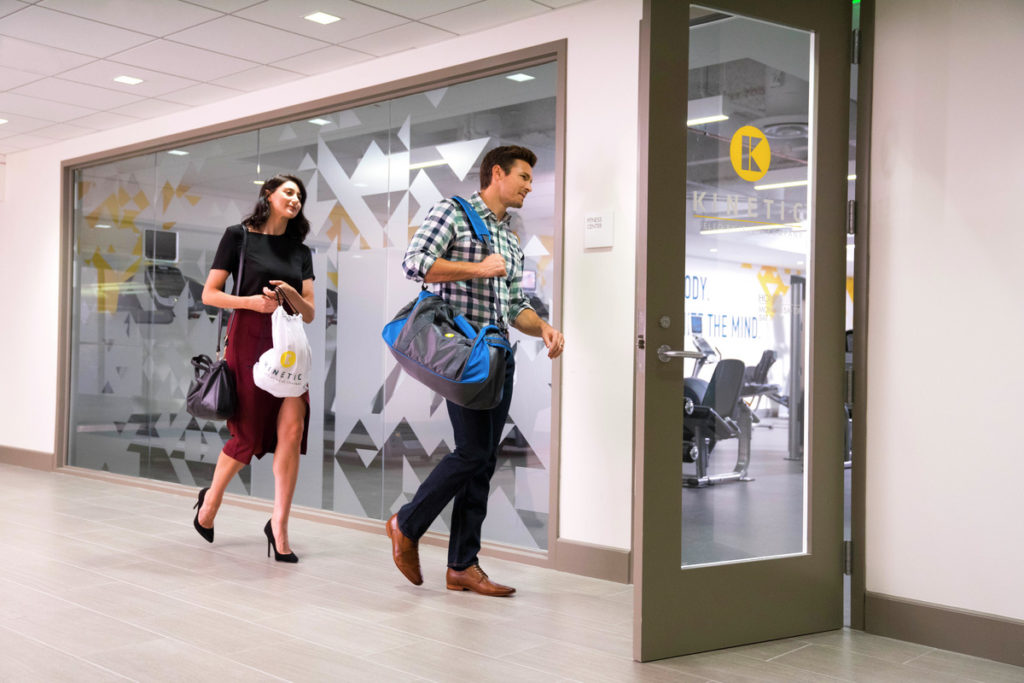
493	266
553	340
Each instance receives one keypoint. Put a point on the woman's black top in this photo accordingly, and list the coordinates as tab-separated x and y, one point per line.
267	257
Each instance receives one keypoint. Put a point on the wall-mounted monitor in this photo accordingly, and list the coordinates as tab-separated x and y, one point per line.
160	245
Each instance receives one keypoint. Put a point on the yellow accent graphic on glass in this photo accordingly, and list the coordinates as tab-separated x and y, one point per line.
750	153
769	275
288	359
449	334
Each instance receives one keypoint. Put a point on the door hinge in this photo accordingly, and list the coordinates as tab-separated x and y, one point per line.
848	386
851	217
848	558
855	47
640	343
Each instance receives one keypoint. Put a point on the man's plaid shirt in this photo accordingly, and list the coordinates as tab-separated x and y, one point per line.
446	233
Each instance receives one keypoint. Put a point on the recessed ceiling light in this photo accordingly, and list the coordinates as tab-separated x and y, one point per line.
852	176
101	225
713	250
776	186
3	121
707	119
177	152
322	18
320	122
519	78
128	80
257	182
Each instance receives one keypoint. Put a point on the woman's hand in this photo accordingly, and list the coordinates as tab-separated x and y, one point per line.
261	303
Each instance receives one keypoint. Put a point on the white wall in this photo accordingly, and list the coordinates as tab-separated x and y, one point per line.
598	288
945	470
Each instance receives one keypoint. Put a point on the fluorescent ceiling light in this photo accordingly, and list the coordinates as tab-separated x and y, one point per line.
705	110
3	121
322	18
776	186
752	228
852	176
177	152
101	225
706	119
128	80
320	122
257	182
519	78
427	164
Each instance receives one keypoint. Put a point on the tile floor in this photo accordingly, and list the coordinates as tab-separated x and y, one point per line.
103	581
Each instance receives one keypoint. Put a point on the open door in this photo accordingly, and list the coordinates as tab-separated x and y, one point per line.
740	326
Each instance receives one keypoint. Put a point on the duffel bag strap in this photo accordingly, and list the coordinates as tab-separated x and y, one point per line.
481	232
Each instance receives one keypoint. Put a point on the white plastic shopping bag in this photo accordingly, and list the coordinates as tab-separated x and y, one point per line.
283	370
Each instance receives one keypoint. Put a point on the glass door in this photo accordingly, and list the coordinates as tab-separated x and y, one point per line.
739	386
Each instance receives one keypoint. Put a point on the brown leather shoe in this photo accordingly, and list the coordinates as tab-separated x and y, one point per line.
405	551
475	579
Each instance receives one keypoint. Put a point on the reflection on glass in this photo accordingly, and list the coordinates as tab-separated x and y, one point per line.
146	230
745	289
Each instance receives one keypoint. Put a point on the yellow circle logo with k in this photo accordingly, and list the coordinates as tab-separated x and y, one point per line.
288	359
750	153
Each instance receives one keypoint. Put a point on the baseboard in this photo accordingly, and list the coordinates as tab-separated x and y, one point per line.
595	561
972	633
22	457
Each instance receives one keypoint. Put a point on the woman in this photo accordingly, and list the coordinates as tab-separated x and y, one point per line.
276	260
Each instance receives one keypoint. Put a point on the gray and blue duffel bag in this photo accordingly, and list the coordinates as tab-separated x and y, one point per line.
435	344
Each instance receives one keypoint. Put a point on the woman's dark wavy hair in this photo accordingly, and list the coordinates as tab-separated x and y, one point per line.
298	227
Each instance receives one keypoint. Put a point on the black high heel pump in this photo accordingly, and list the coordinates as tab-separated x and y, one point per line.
290	557
203	531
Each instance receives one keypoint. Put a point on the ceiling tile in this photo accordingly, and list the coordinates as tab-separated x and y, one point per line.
321	61
155	18
258	78
486	14
102	73
37	59
40	109
104	119
8	6
183	60
63	131
28	141
204	93
418	10
72	33
18	123
12	78
404	37
9	149
356	18
60	90
226	5
150	109
247	39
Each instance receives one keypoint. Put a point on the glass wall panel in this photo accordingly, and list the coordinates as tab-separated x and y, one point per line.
371	175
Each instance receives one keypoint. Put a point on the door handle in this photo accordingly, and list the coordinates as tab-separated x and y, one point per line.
667	353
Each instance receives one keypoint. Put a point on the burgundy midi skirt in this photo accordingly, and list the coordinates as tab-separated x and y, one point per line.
254	426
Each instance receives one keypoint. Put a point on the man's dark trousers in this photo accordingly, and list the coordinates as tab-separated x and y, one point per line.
464	475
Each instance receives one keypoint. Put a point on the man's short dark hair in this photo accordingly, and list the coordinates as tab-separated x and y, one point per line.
505	157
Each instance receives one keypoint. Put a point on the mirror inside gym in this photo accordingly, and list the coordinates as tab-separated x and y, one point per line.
746	289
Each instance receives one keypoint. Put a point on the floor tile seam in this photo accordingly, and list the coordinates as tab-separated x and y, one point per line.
797	649
442	613
792	667
858	653
472	652
65	652
592	624
928	651
559	643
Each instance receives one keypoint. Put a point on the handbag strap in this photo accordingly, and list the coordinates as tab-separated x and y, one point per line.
481	232
237	288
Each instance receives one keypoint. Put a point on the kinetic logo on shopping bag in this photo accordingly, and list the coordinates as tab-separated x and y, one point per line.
287	359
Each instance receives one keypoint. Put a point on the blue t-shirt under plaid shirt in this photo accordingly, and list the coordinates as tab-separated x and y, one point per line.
446	233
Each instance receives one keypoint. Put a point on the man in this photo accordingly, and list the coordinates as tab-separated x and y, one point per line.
443	252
